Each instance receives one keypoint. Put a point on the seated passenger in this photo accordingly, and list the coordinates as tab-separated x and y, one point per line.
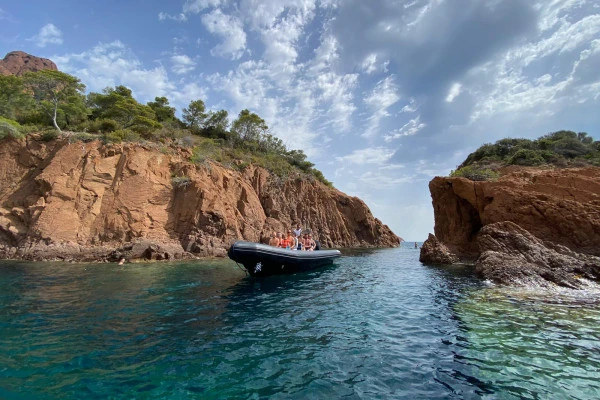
293	241
285	243
274	241
311	243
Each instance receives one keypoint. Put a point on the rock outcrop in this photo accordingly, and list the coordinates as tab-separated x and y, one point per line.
90	201
532	226
435	252
18	62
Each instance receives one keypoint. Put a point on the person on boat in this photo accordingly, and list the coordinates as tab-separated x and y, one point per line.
298	238
274	241
293	241
285	242
308	243
311	242
298	231
317	243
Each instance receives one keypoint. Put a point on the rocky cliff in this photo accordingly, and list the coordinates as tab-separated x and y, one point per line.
90	201
18	62
532	226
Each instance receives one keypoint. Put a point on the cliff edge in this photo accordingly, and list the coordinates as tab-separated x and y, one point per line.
93	201
530	227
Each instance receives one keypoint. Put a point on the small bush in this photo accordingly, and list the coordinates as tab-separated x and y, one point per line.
570	148
82	137
206	149
526	157
107	125
321	178
180	181
121	135
50	135
8	127
475	173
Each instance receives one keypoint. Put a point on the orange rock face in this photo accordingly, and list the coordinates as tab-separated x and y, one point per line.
560	207
18	62
89	201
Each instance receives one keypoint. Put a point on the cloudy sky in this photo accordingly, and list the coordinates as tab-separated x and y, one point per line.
382	95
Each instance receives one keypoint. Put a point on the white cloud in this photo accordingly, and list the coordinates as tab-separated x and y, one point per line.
410	128
196	6
535	77
454	91
49	34
182	64
373	155
112	64
383	96
190	7
372	64
181	17
230	30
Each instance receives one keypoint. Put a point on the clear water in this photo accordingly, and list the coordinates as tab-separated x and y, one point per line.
376	325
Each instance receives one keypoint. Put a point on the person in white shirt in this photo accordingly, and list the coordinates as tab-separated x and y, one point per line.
298	231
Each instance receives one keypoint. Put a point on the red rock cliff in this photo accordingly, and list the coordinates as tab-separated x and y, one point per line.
89	201
528	214
18	62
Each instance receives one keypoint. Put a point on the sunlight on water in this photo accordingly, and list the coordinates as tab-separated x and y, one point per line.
377	324
526	344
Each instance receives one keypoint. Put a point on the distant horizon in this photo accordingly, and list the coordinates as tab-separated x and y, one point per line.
382	95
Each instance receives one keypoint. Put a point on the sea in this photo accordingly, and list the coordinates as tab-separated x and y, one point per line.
377	324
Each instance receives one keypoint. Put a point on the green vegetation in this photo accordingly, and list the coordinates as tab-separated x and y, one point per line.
48	102
559	149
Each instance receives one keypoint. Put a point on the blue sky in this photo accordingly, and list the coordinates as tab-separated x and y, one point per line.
382	95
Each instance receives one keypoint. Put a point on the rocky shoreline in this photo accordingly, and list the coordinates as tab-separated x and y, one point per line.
532	227
89	201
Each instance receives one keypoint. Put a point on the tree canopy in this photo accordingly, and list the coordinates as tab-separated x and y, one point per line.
38	100
52	89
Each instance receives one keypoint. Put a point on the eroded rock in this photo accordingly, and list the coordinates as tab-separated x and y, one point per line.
83	201
531	226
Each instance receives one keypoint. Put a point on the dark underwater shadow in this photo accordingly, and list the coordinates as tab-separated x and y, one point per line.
269	284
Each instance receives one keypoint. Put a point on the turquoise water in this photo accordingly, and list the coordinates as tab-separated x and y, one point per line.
376	325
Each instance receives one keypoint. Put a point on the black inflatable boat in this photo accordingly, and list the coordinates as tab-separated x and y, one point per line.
262	260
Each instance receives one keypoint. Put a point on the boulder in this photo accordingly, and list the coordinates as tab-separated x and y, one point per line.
435	252
19	62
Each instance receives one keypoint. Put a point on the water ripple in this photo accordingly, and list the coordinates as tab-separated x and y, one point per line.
378	324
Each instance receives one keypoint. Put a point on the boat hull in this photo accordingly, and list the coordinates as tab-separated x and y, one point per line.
263	260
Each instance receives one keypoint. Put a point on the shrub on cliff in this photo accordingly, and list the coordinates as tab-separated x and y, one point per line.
526	157
121	135
560	149
8	127
475	173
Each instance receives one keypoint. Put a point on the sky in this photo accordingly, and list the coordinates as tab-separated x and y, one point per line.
382	95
